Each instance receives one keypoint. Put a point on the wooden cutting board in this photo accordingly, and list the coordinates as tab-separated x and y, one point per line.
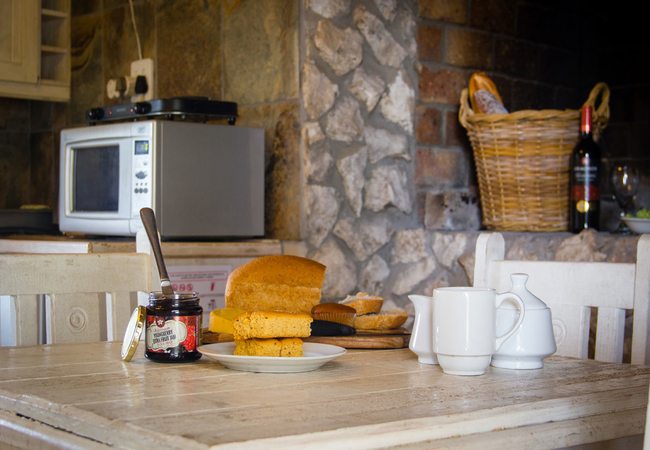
397	338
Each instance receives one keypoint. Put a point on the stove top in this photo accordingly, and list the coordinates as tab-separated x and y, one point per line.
184	108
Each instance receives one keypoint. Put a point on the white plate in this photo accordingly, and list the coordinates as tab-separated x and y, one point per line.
639	226
315	355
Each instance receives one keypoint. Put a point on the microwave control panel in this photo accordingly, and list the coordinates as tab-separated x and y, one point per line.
141	183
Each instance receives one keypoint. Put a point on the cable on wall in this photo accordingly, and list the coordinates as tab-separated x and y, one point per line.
135	28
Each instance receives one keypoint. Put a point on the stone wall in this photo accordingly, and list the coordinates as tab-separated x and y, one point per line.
29	158
391	204
367	167
358	98
15	153
390	201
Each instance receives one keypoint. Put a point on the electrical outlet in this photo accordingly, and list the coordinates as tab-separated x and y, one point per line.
143	67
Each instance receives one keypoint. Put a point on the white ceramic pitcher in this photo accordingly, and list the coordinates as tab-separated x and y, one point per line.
421	342
534	340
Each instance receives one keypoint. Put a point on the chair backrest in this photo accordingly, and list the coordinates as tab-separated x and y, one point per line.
572	289
60	298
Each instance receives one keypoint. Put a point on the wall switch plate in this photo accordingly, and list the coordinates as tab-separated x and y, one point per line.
143	67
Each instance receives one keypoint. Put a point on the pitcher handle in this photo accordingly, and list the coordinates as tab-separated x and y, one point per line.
522	309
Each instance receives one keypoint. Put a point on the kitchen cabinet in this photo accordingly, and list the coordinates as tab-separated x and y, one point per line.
35	49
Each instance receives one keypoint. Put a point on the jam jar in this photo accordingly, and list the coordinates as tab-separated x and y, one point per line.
174	327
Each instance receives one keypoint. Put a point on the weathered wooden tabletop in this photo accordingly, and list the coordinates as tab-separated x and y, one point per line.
84	396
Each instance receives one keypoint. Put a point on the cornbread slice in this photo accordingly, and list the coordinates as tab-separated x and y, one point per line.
276	283
363	303
288	347
271	324
221	320
384	320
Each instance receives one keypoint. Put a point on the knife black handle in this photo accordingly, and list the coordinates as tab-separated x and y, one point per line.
325	328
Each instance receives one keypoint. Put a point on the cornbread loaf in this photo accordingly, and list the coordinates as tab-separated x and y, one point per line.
334	312
276	283
288	347
271	324
384	320
363	303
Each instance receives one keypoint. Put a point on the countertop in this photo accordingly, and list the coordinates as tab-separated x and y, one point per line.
178	249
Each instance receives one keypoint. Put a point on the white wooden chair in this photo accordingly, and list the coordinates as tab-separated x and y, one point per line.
87	297
571	289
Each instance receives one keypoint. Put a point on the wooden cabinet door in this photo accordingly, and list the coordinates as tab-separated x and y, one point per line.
19	35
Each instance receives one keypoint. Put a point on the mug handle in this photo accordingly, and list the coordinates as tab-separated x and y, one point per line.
522	309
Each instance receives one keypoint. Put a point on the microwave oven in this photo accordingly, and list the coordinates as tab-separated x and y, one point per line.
201	180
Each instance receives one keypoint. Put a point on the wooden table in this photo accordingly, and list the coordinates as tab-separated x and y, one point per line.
83	395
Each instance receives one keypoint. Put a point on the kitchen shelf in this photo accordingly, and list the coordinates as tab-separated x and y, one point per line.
45	32
56	5
52	14
51	49
54	83
55	43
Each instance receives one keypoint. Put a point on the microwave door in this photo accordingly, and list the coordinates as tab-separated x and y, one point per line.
96	179
97	187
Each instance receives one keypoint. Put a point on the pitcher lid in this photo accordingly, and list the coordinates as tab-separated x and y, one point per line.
519	287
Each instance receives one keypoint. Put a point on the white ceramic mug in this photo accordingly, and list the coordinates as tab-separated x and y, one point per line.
464	327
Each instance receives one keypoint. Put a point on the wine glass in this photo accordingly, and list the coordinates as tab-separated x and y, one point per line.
625	183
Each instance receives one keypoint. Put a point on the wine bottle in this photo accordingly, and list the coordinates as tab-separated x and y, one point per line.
585	178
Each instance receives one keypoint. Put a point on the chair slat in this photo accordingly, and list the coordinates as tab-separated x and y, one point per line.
574	321
641	334
121	306
610	334
24	315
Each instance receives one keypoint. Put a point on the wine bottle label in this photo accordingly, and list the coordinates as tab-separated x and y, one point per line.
588	193
586	174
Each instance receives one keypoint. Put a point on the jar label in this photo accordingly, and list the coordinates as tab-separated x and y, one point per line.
166	334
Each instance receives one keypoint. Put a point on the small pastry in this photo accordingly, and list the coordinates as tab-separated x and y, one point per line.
383	320
363	303
334	312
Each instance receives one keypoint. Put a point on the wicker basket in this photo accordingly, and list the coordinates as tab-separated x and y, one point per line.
522	161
